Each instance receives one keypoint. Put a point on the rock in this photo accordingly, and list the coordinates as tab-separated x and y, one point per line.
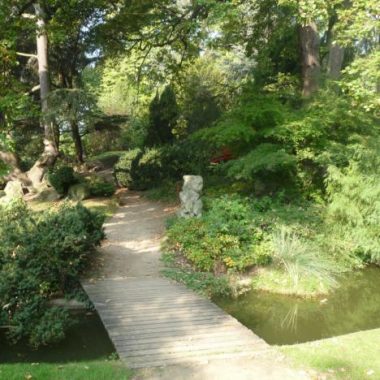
13	191
68	304
190	196
79	192
48	194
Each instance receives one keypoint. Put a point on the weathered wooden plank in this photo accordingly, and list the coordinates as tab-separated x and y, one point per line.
183	350
202	352
123	311
165	317
171	345
172	333
138	340
154	322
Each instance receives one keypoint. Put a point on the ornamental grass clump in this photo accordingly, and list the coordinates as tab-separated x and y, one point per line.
300	259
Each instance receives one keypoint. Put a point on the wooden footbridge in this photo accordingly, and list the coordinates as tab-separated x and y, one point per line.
153	322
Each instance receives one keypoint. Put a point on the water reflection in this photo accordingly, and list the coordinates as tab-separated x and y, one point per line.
87	340
279	319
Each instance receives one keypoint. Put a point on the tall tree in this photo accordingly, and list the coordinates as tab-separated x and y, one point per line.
50	152
309	48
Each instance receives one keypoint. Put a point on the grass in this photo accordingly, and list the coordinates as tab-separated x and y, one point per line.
350	357
92	370
277	281
106	206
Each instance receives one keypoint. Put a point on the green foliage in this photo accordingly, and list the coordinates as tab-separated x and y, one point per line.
101	188
300	259
41	256
207	86
149	170
62	178
354	208
253	117
125	169
107	159
360	82
226	237
142	170
201	282
163	116
266	158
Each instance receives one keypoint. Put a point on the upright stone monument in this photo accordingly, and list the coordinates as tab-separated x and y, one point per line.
190	196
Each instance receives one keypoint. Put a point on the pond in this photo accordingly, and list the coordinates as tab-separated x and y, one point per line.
86	340
280	319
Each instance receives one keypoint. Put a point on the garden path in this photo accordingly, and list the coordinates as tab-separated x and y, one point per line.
160	326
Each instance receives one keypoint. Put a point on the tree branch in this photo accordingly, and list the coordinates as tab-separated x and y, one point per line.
28	16
26	55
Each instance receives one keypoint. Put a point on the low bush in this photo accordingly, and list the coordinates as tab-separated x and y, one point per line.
101	188
226	237
41	256
150	170
62	178
146	170
125	169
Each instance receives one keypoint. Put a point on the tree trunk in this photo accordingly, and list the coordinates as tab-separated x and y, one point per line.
311	69
50	152
12	161
77	141
335	62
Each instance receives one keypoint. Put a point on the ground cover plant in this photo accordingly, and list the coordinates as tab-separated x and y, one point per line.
237	236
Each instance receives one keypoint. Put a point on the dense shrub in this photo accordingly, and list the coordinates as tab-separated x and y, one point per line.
62	178
226	237
150	170
101	188
125	169
41	256
163	116
145	170
354	206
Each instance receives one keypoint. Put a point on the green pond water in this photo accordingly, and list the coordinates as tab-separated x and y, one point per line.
86	340
279	319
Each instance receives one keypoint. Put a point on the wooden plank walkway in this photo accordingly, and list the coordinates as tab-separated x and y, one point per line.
154	322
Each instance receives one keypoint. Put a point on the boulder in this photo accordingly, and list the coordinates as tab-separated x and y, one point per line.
190	196
13	191
48	194
79	192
